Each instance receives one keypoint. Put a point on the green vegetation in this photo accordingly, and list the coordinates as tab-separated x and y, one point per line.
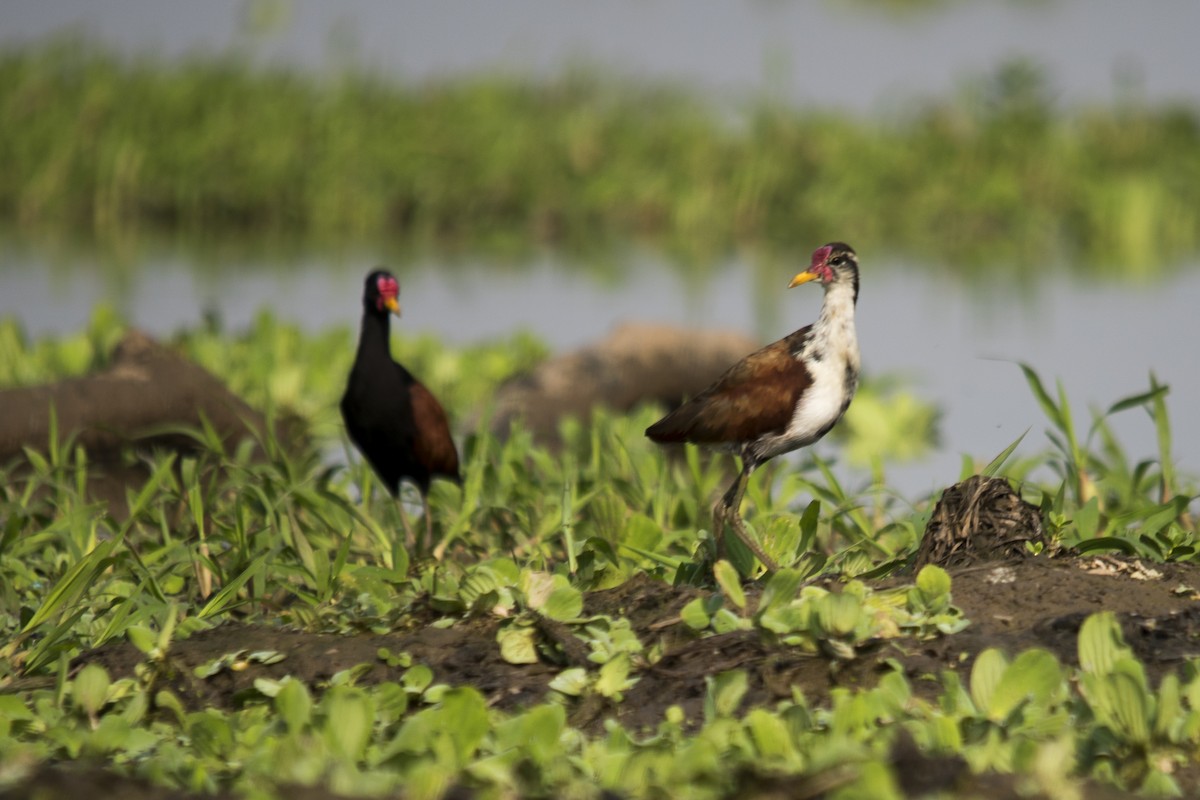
212	147
281	542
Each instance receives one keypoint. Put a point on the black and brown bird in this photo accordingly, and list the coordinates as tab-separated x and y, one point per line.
779	398
391	417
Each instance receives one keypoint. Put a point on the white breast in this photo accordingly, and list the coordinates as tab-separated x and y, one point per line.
835	377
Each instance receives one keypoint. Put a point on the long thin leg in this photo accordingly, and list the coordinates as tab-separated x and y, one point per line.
728	509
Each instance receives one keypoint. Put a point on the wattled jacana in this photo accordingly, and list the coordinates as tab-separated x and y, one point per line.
391	417
787	395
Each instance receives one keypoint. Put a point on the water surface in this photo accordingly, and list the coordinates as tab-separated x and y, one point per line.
957	342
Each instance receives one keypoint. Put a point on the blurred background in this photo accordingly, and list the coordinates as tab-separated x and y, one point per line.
1021	180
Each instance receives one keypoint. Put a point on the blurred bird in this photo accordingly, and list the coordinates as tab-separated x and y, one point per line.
391	417
779	398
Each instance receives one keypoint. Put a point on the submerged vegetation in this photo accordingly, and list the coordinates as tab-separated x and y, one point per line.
212	146
284	543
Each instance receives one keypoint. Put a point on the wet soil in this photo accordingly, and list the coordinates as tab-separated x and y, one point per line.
1013	605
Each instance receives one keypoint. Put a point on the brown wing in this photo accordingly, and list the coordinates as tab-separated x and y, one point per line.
754	397
434	447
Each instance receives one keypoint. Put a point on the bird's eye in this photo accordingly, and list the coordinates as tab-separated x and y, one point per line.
837	261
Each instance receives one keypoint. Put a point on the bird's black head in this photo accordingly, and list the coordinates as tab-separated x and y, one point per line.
381	293
833	263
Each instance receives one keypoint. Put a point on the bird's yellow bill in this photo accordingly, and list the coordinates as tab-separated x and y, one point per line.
803	277
392	305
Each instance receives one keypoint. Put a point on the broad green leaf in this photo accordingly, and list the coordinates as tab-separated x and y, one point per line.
614	676
349	719
730	582
839	614
695	614
1125	704
1100	643
537	587
572	681
1033	675
142	638
294	704
564	604
781	589
770	734
986	674
518	644
933	581
464	716
1169	710
91	688
725	693
725	621
417	678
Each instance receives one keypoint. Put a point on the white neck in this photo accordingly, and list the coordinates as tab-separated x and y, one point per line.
833	332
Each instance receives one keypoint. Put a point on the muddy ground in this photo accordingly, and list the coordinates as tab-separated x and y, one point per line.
1012	605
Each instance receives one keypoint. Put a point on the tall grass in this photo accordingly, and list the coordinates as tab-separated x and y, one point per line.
211	145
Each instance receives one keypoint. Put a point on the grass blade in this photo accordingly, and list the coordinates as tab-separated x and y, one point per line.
996	463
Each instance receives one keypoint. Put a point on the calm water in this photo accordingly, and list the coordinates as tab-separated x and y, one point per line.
957	343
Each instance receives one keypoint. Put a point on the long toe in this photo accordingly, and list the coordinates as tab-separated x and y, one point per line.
740	529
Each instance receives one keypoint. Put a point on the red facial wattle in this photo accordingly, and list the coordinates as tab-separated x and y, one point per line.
389	289
820	263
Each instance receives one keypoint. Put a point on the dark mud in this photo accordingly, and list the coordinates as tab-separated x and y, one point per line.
1012	605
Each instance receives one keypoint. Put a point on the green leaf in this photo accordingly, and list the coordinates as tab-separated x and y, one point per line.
994	466
1049	408
695	614
781	589
564	604
1105	543
730	582
572	681
349	718
1136	400
725	692
933	582
518	644
1034	675
81	576
1169	710
614	676
224	598
294	704
1127	706
90	688
464	716
1101	643
417	678
986	674
839	614
142	638
1087	519
770	734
